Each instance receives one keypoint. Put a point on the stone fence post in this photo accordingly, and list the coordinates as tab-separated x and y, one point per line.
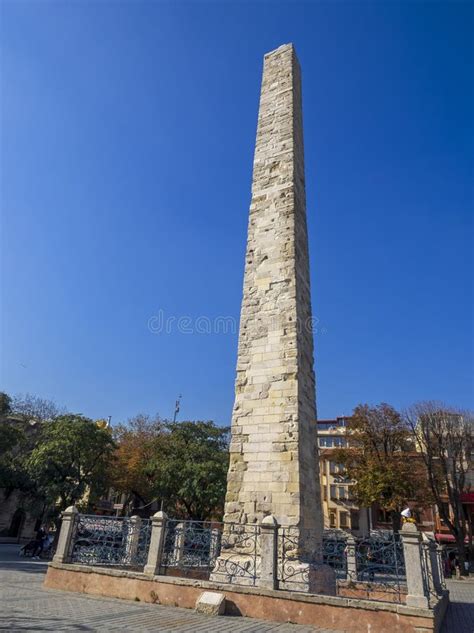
215	544
437	573
268	552
70	517
155	552
132	539
179	542
413	565
351	560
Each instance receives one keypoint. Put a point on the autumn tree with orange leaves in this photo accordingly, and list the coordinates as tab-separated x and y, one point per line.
382	460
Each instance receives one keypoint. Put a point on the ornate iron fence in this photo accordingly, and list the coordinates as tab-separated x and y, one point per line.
111	541
291	572
334	553
371	568
380	559
200	549
432	569
379	570
239	559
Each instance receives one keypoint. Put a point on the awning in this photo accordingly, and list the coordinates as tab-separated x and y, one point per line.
442	537
467	497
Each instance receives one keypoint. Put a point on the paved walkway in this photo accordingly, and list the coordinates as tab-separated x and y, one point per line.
26	606
460	615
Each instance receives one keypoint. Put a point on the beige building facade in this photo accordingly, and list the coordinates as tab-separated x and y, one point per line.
17	522
339	508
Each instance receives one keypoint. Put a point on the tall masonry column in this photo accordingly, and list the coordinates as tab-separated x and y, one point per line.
274	464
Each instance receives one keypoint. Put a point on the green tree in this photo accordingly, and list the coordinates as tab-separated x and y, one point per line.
382	460
13	446
5	404
71	457
190	469
11	439
181	465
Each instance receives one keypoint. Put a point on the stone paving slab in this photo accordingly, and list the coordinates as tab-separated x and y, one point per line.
460	615
27	606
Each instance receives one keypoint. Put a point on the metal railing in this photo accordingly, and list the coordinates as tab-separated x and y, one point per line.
111	541
432	568
200	549
372	568
379	571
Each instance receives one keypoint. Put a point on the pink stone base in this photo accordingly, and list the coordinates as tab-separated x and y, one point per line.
328	612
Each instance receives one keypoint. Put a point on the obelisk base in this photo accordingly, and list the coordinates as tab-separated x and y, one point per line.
292	575
307	577
236	569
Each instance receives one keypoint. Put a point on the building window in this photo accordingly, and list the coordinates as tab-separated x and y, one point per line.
342	492
343	519
354	519
332	468
333	492
332	519
325	493
326	442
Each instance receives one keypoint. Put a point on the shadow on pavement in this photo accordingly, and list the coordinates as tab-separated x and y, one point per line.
21	564
11	561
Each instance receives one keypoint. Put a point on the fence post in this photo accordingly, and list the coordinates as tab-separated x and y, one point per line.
436	567
133	539
179	541
351	561
155	552
69	517
268	552
215	543
413	565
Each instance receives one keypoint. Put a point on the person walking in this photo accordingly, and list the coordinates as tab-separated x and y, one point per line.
41	536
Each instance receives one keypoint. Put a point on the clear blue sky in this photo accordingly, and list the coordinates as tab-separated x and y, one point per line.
127	143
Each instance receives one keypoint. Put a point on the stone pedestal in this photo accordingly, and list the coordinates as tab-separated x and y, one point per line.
416	583
132	540
69	517
155	550
351	558
311	577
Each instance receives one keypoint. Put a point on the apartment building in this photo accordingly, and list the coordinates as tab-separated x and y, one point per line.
340	510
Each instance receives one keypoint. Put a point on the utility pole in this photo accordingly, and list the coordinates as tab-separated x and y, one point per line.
176	407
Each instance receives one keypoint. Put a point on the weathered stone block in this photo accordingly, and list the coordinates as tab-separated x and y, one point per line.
211	603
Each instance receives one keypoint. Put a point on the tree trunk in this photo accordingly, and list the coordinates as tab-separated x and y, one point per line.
461	547
469	537
396	521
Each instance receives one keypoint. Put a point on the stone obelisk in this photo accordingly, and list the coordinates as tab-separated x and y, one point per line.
274	466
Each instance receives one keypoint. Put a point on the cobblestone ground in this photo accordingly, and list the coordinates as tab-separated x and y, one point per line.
460	615
26	606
